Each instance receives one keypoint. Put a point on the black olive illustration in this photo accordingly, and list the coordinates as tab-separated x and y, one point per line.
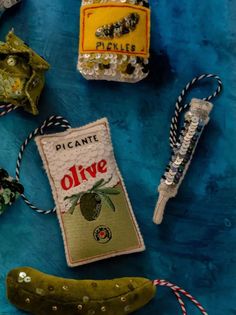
91	201
90	206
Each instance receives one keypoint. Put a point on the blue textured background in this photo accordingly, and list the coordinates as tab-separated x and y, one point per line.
195	245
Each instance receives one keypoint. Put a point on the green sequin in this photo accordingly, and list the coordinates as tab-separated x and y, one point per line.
10	190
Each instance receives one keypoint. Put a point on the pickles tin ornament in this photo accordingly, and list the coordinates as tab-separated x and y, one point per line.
184	143
92	204
114	40
41	294
21	76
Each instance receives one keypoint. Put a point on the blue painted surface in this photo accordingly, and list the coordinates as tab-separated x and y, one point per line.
195	245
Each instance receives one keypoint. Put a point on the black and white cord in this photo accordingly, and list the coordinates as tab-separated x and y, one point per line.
60	121
7	108
52	121
180	106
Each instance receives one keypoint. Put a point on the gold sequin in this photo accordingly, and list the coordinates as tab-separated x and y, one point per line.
79	307
65	288
127	308
54	308
11	61
85	299
103	309
22	274
39	291
21	277
123	299
27	300
27	279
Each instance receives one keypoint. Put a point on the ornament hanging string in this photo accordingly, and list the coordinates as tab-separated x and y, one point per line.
177	291
52	121
5	109
180	106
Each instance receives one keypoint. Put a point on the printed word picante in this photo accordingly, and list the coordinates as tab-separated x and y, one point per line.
76	143
78	174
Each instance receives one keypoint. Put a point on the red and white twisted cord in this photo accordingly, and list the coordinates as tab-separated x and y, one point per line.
176	290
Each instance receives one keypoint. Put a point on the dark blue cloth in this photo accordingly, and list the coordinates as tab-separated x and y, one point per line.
195	245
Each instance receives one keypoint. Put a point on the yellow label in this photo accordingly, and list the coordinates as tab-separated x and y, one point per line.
135	42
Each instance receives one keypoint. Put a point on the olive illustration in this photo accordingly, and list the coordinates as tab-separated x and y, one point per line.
90	206
91	201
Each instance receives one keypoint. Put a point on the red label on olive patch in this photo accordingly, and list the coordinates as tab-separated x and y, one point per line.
102	234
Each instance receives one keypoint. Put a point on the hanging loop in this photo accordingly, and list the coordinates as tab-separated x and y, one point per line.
180	106
7	108
177	290
52	121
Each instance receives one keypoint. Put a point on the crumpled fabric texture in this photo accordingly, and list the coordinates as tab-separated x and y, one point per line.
21	74
10	190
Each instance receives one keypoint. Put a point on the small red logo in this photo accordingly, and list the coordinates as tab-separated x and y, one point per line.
102	234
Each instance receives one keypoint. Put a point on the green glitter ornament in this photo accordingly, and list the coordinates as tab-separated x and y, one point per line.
21	74
10	190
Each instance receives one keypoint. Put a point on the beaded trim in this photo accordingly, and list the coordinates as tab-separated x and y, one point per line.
183	144
195	121
119	28
115	67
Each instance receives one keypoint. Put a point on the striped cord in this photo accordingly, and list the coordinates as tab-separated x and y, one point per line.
52	121
180	106
7	108
177	290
